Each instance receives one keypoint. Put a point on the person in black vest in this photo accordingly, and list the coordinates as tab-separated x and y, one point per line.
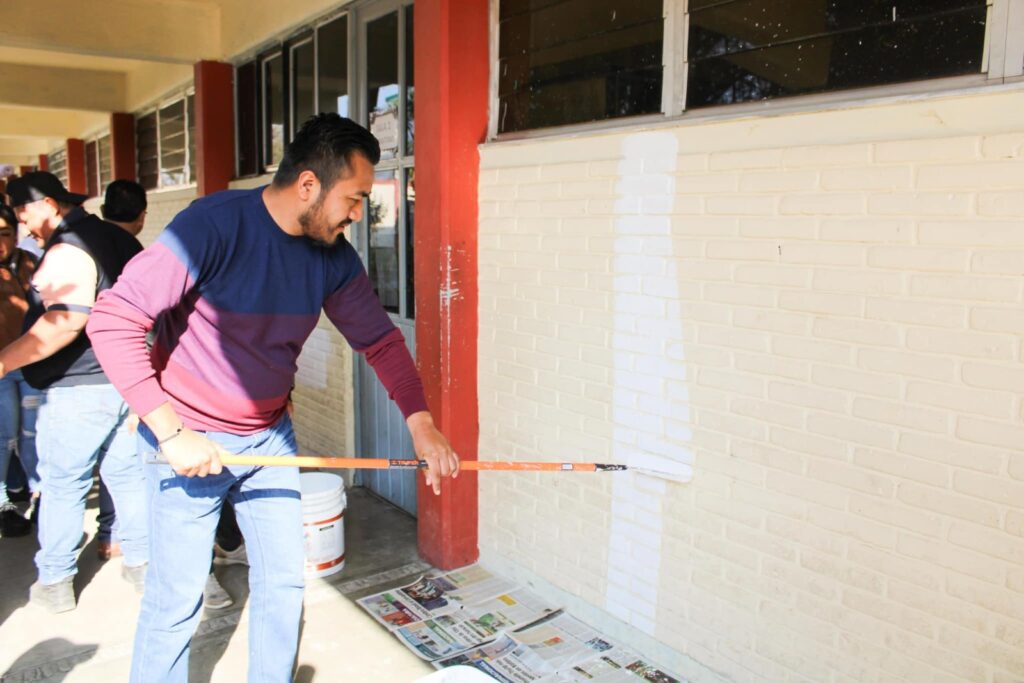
82	418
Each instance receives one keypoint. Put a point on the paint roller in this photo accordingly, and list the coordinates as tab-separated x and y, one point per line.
663	468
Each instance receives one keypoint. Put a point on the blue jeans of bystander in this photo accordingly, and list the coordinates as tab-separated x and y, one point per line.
78	425
19	404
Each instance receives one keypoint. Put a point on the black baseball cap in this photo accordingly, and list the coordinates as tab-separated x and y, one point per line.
37	185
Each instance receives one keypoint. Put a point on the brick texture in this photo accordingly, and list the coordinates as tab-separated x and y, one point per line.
829	330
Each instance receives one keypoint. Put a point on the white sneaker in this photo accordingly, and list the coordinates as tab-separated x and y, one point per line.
225	557
214	595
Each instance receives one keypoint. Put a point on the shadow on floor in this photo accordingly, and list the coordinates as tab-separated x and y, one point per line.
61	656
18	572
380	552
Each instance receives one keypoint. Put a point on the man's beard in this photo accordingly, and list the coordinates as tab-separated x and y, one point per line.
315	225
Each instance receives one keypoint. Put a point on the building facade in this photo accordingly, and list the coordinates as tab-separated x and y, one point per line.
776	248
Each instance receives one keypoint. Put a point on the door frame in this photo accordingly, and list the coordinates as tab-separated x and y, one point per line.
359	17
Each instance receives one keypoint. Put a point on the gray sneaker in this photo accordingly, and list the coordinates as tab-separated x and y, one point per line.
214	595
54	597
135	576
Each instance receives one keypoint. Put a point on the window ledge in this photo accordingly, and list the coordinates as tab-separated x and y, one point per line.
169	193
836	101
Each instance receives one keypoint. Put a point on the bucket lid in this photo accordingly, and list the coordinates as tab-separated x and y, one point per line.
314	484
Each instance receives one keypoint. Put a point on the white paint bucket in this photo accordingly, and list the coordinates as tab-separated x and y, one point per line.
323	517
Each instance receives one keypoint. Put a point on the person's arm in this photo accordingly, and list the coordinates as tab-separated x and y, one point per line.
67	286
356	312
156	280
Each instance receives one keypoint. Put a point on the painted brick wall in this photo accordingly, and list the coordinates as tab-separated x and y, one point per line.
824	313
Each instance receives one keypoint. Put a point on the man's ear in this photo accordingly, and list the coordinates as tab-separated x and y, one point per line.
308	186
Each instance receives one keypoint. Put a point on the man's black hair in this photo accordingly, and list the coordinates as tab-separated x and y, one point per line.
124	201
7	216
325	145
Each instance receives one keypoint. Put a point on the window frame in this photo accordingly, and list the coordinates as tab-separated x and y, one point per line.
265	130
178	95
1002	62
283	45
404	162
308	36
57	163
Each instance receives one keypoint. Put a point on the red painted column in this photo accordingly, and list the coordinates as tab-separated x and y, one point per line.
76	166
215	126
44	163
122	146
451	71
22	170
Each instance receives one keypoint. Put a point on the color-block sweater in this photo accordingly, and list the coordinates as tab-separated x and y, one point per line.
231	299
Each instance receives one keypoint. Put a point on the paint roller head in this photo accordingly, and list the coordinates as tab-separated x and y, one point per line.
660	466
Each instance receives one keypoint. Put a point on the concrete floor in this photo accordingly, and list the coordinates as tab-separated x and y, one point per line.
93	643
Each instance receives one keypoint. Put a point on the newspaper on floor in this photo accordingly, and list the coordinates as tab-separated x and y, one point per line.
440	615
558	649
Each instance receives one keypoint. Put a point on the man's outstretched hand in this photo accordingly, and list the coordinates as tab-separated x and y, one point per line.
432	447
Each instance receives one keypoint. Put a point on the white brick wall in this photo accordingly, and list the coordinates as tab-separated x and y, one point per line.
824	311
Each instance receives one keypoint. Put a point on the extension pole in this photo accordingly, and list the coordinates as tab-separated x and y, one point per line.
393	464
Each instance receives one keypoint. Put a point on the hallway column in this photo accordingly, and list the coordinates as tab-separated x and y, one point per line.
451	72
75	164
215	126
122	146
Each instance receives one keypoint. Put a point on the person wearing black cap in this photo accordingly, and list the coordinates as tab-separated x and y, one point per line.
82	418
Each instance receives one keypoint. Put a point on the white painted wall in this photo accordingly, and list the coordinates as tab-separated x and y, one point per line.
824	312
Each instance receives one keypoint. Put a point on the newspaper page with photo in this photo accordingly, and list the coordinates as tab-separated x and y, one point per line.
445	635
438	616
558	649
474	618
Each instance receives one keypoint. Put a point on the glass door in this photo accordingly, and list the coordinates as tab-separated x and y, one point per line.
384	78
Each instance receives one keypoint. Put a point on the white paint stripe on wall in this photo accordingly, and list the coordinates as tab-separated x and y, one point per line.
648	331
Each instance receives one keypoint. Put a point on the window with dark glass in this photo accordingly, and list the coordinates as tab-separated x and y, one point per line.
57	163
332	66
92	170
743	50
574	61
106	171
385	239
410	91
173	144
382	87
164	146
147	151
247	103
410	215
190	117
303	82
273	109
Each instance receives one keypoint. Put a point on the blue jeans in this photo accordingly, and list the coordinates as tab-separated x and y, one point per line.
19	404
183	518
106	518
77	426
